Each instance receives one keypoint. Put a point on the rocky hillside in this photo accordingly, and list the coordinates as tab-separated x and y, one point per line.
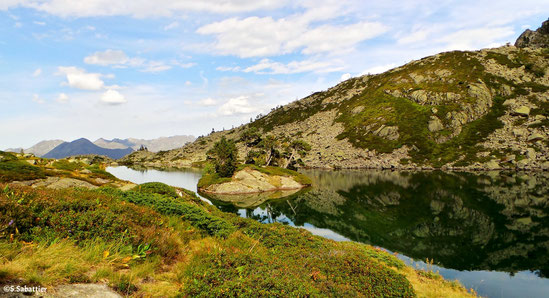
483	109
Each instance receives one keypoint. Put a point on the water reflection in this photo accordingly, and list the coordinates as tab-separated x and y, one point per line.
464	221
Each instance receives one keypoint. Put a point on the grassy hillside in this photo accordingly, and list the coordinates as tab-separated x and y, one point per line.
458	109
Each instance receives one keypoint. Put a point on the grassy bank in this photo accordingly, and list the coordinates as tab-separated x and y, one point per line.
149	242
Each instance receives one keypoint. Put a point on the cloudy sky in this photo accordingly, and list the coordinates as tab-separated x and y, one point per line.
143	68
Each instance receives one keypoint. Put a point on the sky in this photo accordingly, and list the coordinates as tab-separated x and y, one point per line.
145	69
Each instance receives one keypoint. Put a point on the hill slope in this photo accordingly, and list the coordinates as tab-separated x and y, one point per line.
83	146
482	109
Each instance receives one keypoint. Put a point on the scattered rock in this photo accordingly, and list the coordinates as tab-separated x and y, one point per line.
435	124
492	165
521	111
387	132
358	110
531	153
535	137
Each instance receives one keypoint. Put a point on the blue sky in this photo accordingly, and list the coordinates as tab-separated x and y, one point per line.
145	69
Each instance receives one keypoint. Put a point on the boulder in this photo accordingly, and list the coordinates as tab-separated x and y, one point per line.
536	137
492	165
435	124
521	111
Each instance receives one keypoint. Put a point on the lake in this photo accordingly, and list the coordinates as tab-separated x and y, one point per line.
488	230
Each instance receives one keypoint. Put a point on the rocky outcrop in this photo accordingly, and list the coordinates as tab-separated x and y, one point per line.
248	181
83	291
57	183
534	39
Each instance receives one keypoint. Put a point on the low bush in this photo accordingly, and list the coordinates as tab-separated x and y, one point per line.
196	215
17	170
66	165
157	188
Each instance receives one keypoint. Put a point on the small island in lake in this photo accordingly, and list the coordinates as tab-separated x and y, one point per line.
223	175
253	179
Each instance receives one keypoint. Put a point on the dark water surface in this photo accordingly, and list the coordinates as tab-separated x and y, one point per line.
488	230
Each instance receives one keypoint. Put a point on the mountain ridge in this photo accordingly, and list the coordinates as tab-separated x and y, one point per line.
38	149
154	145
84	146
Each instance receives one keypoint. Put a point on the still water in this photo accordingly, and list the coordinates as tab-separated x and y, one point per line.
488	230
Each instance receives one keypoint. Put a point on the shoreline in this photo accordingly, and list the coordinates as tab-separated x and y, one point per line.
423	168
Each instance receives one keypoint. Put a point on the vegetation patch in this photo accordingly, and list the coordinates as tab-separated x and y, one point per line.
12	169
66	165
157	188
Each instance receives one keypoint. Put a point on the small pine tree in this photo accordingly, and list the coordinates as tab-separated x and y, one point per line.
224	155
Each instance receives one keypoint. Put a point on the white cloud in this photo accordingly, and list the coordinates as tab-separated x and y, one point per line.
140	9
37	72
469	39
119	59
107	57
170	26
415	36
267	66
330	38
228	68
113	97
80	79
345	77
155	66
254	36
36	98
62	98
39	23
207	102
237	106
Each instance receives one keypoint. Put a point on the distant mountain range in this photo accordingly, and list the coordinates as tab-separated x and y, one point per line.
154	145
159	144
40	148
84	146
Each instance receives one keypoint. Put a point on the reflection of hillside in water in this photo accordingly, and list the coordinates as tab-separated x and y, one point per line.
466	221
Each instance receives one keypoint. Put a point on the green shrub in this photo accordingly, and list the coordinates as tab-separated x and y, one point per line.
80	215
210	179
292	262
17	170
66	165
196	215
98	172
158	188
224	156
